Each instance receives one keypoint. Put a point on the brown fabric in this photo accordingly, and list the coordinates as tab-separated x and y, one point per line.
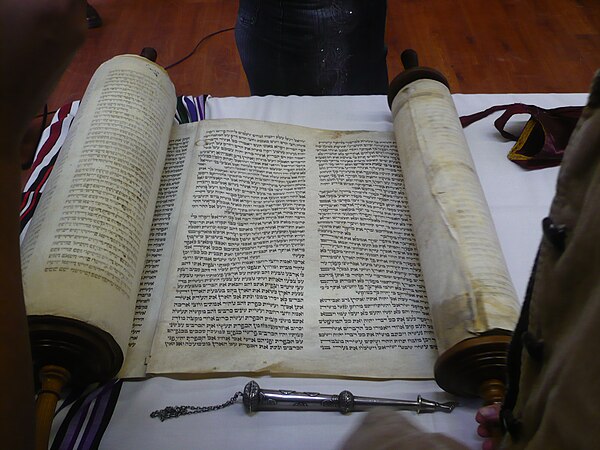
559	386
384	429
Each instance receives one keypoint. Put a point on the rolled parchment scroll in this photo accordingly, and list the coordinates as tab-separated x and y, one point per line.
468	286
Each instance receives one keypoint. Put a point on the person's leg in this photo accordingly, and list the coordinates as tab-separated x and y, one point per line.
257	33
319	47
366	65
276	41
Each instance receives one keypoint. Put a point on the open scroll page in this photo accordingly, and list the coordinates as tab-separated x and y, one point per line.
160	247
468	286
84	251
294	255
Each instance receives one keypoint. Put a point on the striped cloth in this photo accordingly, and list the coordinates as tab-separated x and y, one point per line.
89	413
189	109
87	418
47	151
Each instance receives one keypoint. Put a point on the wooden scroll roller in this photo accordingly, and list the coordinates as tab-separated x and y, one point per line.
472	301
66	352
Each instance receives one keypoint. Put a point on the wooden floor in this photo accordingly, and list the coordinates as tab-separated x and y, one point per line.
483	46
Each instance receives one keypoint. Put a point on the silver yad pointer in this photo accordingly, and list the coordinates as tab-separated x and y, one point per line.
257	399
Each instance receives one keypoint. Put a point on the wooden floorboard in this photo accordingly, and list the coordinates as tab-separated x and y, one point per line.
486	46
501	46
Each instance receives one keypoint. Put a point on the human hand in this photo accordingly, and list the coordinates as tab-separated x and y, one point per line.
488	418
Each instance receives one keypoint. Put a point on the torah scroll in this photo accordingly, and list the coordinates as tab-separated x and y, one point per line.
469	290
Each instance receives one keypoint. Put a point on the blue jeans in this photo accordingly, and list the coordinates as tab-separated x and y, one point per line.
313	47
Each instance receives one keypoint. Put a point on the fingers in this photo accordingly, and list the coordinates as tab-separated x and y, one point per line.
488	418
488	415
488	444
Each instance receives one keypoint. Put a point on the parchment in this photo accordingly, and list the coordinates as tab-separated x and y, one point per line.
160	247
84	252
294	255
468	286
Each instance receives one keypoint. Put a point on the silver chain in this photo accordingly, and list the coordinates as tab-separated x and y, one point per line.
172	412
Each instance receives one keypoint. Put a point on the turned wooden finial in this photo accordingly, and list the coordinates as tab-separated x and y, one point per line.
67	351
492	391
53	379
475	368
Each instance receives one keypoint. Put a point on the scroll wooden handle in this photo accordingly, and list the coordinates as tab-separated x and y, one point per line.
149	53
53	379
409	59
492	391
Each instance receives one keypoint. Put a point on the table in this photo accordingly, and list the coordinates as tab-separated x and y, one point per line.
518	201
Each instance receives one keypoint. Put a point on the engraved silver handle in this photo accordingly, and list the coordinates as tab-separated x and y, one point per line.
257	399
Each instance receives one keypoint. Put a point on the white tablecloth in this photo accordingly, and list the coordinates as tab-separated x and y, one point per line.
518	201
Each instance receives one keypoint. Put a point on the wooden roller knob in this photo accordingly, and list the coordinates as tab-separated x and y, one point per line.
53	379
